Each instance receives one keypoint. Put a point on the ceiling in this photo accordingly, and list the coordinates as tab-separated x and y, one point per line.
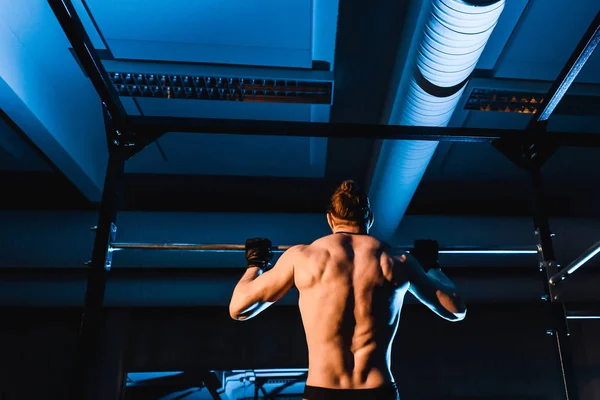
52	143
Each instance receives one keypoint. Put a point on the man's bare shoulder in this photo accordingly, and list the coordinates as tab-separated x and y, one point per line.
316	246
323	239
319	248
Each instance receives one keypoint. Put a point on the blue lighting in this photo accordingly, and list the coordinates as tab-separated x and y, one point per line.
135	378
455	34
583	316
585	259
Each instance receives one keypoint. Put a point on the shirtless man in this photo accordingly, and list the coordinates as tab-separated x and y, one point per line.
351	292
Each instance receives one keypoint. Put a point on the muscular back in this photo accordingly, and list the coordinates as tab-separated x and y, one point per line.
350	310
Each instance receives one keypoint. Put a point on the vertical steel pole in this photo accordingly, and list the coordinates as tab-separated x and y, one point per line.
559	330
93	318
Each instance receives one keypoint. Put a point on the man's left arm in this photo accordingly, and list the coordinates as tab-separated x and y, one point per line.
258	289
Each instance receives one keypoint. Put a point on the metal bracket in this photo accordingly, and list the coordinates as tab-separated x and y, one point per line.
121	139
136	143
112	238
527	151
117	134
127	139
549	266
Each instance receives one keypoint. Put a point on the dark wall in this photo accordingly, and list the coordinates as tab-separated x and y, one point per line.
498	352
586	354
36	353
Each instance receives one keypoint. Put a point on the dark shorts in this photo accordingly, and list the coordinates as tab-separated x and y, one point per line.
388	391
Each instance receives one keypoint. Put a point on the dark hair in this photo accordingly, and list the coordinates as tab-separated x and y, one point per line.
350	204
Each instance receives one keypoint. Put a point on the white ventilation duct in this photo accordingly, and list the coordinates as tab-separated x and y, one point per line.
451	41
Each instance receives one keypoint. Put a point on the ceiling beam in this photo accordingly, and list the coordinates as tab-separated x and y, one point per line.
152	125
575	63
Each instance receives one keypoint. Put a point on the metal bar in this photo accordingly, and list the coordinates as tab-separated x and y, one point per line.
488	251
540	218
215	248
588	311
597	316
548	262
145	125
580	55
148	125
228	248
89	340
42	274
562	361
91	63
576	264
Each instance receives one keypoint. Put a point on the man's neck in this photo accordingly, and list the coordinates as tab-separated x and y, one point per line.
357	230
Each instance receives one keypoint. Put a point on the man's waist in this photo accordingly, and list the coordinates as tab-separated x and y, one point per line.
336	377
382	392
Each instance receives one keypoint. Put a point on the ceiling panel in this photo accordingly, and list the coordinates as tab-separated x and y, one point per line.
261	32
212	154
206	154
511	120
472	161
509	18
480	161
545	38
16	152
82	9
573	123
225	109
324	30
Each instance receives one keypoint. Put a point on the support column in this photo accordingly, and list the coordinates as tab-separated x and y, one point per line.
106	376
91	341
559	329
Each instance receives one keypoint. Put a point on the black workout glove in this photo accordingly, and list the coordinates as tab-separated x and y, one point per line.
426	252
258	252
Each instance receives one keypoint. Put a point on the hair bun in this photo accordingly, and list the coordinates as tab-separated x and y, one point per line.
348	186
350	204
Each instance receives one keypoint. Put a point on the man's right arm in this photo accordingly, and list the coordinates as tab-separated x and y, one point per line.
433	288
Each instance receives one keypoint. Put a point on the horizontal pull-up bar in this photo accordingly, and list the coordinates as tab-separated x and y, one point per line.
230	248
215	248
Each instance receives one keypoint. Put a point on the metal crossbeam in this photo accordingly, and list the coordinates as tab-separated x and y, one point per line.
159	125
581	54
84	50
576	264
